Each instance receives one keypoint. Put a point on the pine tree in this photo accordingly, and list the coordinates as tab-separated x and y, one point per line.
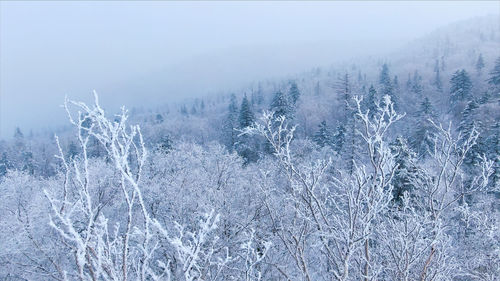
461	86
437	78
408	83
260	95
387	87
246	146
395	83
384	78
422	140
279	105
184	110
193	110
230	123
18	139
469	119
468	122
480	64
202	106
346	139
323	136
338	139
294	93
494	79
407	173
317	89
370	101
246	118
344	94
4	164
493	149
416	85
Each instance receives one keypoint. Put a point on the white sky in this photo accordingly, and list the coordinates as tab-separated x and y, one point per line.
148	53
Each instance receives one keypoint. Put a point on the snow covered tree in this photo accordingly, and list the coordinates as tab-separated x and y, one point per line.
437	78
422	140
407	176
317	89
494	79
416	84
246	117
4	164
370	101
493	149
231	123
323	136
246	146
460	87
386	86
279	105
339	138
470	123
294	93
480	64
395	85
469	118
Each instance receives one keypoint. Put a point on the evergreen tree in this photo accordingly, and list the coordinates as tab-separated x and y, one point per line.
384	77
158	118
461	86
323	136
494	79
480	64
407	174
416	85
317	89
346	140
386	86
468	122
493	149
408	83
395	83
193	110
230	123
344	91
469	119
165	144
202	106
385	81
338	139
4	164
279	105
294	93
28	162
184	110
437	78
422	140
246	144
370	101
260	95
246	118
18	139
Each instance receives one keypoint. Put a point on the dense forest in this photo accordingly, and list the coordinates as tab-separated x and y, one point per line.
376	168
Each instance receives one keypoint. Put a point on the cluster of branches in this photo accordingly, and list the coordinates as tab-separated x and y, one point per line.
299	216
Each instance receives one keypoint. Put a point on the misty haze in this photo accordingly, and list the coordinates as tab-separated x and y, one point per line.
252	140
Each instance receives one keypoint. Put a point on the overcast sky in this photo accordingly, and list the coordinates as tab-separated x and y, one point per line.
149	53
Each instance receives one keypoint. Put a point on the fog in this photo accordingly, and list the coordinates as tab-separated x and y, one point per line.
151	53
